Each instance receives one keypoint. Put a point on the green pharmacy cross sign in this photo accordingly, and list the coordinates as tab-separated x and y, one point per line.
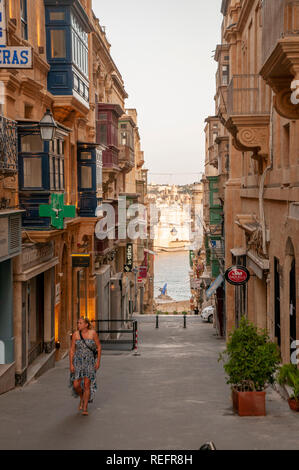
57	211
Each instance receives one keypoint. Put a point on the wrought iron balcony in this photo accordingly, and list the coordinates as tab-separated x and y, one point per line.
247	95
8	146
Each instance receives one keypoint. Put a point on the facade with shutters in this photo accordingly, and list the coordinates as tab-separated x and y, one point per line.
256	107
73	76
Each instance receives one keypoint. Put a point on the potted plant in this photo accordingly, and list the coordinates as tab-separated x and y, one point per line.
288	375
250	361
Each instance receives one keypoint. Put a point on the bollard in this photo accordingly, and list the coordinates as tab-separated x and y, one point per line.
136	341
157	322
185	321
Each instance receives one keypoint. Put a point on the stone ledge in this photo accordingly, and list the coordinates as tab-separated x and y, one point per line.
42	364
7	377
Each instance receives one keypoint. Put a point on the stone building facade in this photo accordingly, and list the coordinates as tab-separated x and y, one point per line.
257	109
73	76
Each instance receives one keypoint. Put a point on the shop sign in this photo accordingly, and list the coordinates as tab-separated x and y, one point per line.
143	272
214	286
4	237
237	275
129	258
37	254
80	260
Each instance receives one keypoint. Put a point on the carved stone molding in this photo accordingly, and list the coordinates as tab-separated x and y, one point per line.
284	106
281	73
251	134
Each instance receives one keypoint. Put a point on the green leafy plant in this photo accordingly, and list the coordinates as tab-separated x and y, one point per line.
250	359
184	313
175	313
289	375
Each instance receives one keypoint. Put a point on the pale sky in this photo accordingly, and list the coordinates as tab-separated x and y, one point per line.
164	52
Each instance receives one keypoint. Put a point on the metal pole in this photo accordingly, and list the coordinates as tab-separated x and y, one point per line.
157	322
134	335
185	321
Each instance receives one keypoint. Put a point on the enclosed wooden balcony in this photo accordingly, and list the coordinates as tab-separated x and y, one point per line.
280	54
111	159
248	114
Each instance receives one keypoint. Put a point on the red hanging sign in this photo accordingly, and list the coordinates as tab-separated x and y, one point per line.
237	275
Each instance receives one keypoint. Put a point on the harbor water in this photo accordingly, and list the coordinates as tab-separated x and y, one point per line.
173	269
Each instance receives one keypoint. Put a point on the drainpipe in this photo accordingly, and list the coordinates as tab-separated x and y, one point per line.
262	182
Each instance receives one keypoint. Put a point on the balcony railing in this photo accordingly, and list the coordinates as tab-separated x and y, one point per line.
247	94
110	159
8	146
280	19
127	155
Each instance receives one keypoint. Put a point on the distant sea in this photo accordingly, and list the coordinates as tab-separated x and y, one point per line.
173	269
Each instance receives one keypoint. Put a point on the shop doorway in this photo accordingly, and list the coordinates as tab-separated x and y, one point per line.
293	322
35	317
277	301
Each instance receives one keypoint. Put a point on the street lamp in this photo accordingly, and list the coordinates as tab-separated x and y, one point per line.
47	126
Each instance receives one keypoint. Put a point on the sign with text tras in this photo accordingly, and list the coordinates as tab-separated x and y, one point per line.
15	57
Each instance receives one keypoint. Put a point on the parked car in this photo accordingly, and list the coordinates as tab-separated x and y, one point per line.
208	314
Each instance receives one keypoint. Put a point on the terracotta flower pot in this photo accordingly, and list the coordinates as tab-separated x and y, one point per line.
249	403
293	404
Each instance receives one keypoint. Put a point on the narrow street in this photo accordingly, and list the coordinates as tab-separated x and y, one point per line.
172	396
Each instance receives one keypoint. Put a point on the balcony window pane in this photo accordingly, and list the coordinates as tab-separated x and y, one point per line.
32	172
103	134
56	173
86	177
51	169
57	16
32	144
86	156
61	173
58	44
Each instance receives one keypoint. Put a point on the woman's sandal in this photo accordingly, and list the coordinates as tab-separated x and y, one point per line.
81	405
84	413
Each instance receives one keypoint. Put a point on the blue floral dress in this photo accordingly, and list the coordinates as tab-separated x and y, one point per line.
84	363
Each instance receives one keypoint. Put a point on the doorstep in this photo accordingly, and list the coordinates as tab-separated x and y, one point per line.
42	364
7	377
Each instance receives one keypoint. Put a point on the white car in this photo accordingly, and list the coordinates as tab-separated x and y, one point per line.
208	314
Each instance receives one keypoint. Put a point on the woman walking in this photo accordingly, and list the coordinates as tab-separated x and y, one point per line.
85	358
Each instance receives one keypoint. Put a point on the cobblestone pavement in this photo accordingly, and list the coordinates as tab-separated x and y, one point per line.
172	396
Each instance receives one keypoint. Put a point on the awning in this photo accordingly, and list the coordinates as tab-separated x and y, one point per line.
150	252
214	286
257	264
238	252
